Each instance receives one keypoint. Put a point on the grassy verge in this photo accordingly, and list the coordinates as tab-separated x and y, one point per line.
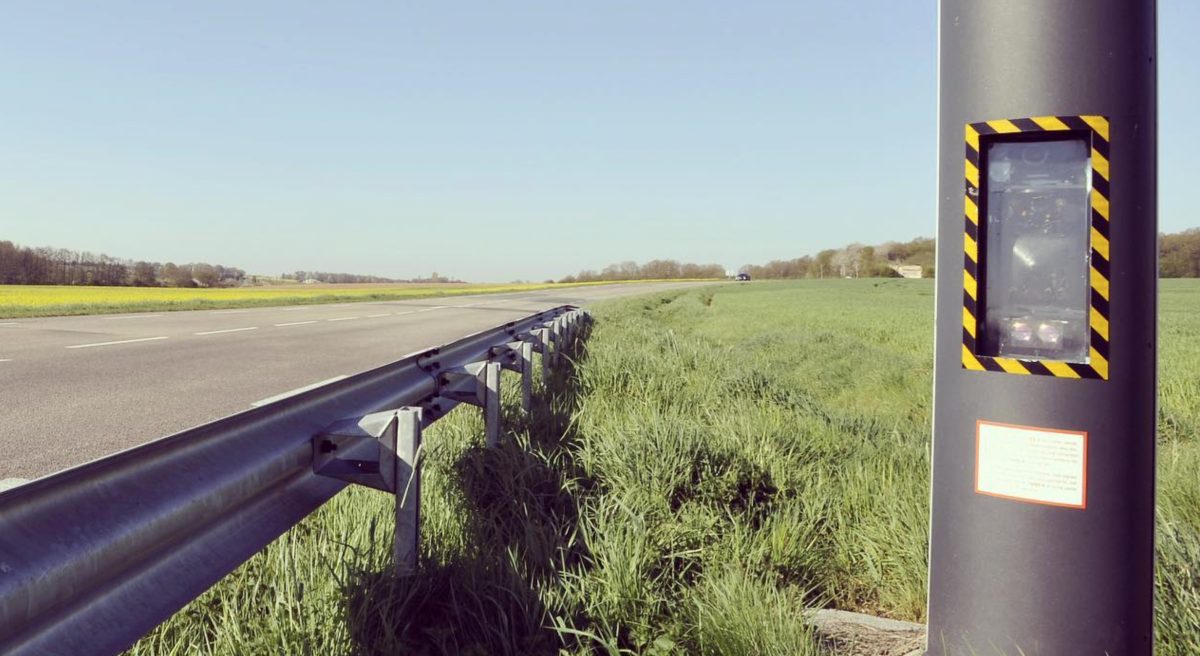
23	301
722	458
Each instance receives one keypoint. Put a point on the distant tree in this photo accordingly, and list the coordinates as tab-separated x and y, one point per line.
144	274
866	261
825	263
205	275
11	271
177	276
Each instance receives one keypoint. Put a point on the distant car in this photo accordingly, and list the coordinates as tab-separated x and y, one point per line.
743	277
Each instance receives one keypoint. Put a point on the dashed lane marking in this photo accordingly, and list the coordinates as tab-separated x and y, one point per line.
294	323
227	330
123	341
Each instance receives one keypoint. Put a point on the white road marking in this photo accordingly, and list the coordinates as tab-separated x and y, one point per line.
231	311
298	390
10	483
439	307
399	314
375	316
342	319
123	341
227	330
9	323
132	316
294	323
5	359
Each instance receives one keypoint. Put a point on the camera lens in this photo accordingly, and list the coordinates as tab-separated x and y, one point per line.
1035	154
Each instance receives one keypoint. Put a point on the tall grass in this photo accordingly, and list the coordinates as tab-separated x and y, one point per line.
720	459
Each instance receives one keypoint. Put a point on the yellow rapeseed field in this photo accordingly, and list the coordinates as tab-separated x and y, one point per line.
54	300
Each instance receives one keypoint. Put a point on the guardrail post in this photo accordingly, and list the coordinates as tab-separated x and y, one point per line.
566	334
558	342
544	339
408	491
573	330
491	403
526	377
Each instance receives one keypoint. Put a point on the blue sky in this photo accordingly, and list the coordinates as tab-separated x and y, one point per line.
489	139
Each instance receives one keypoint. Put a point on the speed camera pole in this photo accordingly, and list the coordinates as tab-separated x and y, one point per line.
1042	536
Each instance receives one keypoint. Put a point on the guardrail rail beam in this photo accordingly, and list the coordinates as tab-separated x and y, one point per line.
93	557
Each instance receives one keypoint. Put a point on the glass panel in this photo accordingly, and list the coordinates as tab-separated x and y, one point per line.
1037	230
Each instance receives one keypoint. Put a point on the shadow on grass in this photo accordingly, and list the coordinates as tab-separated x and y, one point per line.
522	532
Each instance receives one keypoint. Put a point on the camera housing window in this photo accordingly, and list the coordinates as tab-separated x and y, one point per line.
1035	206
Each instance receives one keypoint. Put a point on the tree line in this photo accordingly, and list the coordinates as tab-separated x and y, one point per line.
21	265
1179	257
1179	254
853	261
353	278
323	276
652	270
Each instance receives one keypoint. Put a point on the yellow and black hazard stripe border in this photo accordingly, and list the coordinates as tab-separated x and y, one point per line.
1097	366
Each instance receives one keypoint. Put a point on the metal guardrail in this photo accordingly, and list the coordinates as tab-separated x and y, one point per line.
94	557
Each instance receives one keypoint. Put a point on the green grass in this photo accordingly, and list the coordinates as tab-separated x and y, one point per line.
713	468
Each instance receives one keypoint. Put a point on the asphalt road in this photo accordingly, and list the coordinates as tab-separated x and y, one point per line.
73	389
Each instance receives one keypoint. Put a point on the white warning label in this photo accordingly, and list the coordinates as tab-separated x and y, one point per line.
1041	465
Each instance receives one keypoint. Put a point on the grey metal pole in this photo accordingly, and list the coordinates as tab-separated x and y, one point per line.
1042	526
491	405
408	491
526	377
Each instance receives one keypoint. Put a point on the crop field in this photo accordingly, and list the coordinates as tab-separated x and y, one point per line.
721	459
53	300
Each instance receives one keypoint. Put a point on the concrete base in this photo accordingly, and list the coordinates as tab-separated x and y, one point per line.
857	634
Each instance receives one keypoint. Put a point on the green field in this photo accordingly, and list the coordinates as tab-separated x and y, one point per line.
723	458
